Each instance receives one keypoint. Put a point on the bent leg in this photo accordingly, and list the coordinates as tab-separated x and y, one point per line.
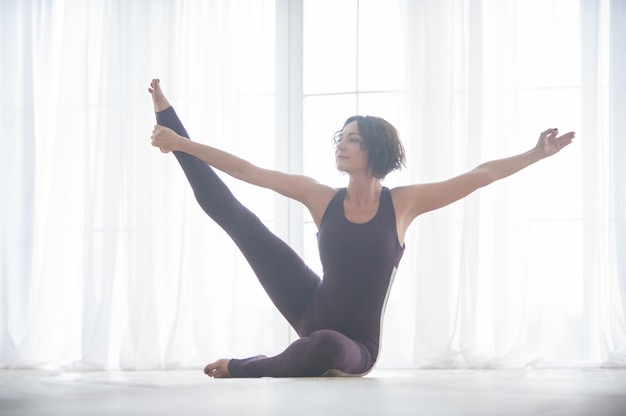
285	277
324	351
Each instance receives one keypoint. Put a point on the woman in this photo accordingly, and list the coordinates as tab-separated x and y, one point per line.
361	230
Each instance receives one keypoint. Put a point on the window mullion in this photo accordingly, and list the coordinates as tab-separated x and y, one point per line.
289	113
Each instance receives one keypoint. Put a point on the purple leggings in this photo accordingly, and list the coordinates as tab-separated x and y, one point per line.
288	281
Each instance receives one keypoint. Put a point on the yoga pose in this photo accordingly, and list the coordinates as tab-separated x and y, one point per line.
361	230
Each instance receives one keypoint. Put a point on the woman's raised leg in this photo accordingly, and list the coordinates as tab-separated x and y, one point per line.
282	273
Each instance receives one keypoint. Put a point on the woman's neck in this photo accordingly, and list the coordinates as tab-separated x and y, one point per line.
363	190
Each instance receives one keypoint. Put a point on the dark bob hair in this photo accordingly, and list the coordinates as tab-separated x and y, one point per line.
380	138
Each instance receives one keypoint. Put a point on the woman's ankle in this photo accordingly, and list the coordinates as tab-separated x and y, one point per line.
158	108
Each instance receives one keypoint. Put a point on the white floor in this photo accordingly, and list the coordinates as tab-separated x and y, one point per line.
568	392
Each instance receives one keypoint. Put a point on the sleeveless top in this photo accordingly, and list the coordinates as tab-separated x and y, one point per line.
359	261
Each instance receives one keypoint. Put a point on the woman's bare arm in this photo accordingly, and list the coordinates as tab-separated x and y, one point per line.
304	189
414	200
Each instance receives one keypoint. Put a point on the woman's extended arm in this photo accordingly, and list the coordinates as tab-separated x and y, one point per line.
306	190
411	201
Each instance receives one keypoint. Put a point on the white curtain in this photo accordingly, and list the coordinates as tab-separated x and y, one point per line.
106	259
107	262
528	272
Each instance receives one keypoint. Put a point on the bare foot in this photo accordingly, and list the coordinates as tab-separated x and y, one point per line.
218	369
158	98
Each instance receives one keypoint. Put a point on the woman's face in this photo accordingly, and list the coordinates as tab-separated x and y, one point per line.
350	156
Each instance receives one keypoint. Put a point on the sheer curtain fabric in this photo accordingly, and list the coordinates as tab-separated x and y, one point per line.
107	262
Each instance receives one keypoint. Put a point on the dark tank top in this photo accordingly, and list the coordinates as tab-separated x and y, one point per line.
359	261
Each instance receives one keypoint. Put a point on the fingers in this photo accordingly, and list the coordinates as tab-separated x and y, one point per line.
566	138
553	134
569	135
550	131
555	131
548	134
155	132
156	138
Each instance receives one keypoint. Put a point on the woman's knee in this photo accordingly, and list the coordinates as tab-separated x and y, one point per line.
327	343
339	352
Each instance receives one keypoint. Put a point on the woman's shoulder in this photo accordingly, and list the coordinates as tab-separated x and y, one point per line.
320	200
404	193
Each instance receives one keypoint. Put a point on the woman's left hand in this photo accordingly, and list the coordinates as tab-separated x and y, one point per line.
551	143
